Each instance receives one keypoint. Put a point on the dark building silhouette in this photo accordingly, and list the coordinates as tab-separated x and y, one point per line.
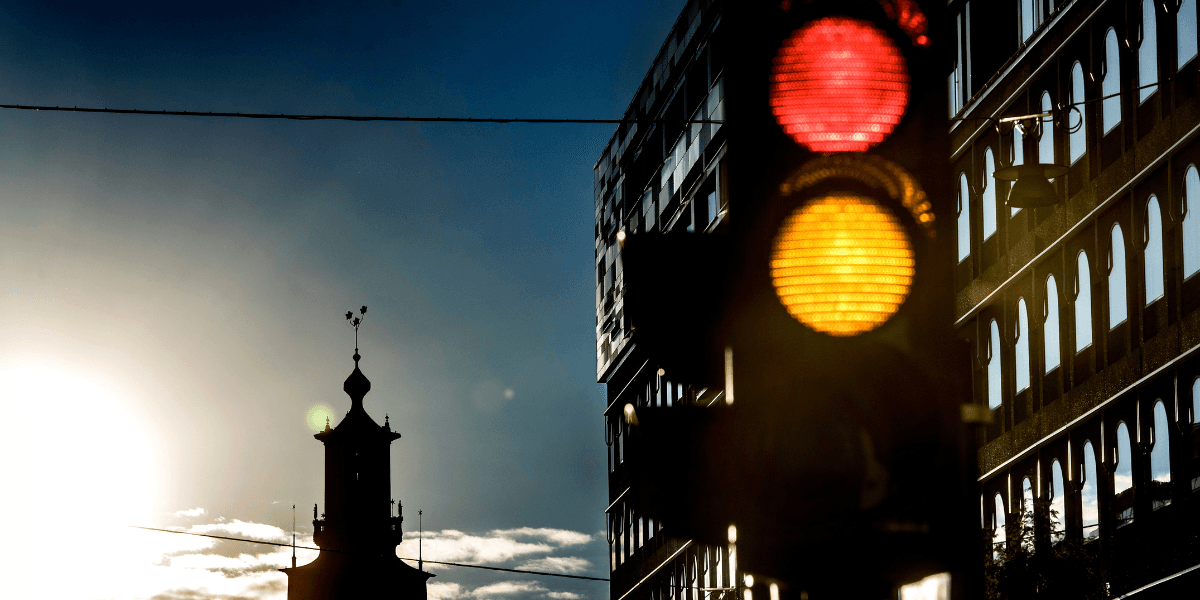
1084	316
659	177
361	526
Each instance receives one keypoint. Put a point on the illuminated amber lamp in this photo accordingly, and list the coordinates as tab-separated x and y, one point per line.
839	85
842	264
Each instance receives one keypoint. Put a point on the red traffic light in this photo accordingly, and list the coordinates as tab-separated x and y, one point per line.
839	85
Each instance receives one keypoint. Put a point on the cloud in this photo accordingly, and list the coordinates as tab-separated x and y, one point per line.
565	595
191	512
508	588
443	591
245	529
558	564
561	537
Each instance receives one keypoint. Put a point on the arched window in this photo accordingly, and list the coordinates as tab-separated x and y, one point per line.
1050	325
993	366
1110	108
1195	401
1058	503
1118	305
1148	52
1160	452
1185	30
964	218
1076	120
1018	158
998	522
1027	20
1123	476
1155	273
1083	303
1026	511
1023	365
989	194
1191	222
1090	509
1046	143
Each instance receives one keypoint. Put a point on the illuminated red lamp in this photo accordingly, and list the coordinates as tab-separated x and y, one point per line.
839	85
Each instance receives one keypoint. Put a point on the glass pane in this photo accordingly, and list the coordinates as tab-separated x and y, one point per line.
1083	304
1185	29
1148	52
1046	143
1090	509
998	522
1026	19
1058	503
1155	275
989	194
1050	326
993	369
1118	309
1018	157
1022	347
1191	222
1160	453
964	219
1123	477
1110	109
1076	120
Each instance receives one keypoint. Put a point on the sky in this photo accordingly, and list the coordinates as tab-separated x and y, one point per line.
172	289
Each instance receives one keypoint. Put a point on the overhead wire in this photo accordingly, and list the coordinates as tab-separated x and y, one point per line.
359	118
234	539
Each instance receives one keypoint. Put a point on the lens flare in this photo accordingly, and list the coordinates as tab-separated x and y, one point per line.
842	264
318	416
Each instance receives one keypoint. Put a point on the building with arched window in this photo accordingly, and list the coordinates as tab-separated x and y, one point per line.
658	175
1094	302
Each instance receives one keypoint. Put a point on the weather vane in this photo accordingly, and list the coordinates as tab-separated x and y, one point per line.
356	321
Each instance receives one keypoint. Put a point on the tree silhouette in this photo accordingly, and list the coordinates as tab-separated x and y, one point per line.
1028	565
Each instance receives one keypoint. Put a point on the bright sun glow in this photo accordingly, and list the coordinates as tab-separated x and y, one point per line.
318	416
842	264
80	466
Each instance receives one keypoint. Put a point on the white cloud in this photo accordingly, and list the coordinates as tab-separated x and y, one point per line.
443	591
455	546
191	512
560	537
239	528
558	564
565	595
507	588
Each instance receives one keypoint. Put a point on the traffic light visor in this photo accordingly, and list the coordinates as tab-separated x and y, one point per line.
839	85
842	264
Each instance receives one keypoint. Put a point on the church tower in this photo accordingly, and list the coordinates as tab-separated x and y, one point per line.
359	530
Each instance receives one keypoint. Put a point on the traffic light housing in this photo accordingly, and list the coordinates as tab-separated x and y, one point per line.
838	451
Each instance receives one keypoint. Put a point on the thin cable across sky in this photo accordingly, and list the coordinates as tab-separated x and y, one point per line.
436	562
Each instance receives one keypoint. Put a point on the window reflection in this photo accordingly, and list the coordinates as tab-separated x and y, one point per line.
1185	30
1110	86
1083	303
1123	477
1191	222
993	368
1155	272
1021	359
1058	503
1077	122
1090	508
1050	325
1160	457
964	218
1118	309
1148	52
989	194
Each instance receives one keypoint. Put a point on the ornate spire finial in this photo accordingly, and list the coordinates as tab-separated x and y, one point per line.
356	321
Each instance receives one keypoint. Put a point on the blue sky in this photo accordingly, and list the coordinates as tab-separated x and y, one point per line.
173	287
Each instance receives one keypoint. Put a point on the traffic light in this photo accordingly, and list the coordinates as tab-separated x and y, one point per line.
839	453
